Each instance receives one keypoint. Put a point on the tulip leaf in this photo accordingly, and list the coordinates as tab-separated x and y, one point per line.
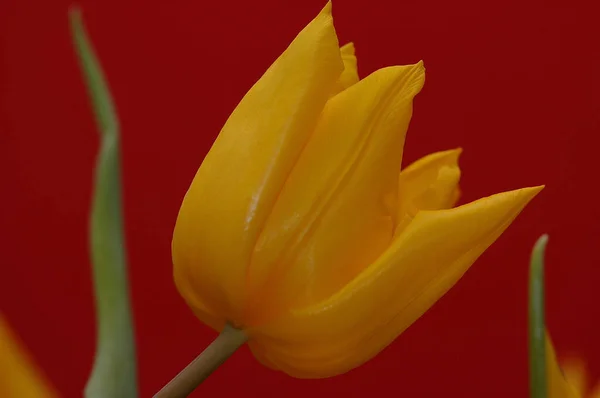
114	371
537	327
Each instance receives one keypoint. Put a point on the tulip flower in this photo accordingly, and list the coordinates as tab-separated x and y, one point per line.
19	377
299	230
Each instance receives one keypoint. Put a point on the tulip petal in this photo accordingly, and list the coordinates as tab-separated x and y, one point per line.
573	369
422	264
349	76
242	175
330	221
430	183
19	376
558	386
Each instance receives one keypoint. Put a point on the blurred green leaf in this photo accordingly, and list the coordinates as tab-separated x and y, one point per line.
114	371
537	326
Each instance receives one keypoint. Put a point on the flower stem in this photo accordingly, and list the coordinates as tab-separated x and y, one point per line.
207	362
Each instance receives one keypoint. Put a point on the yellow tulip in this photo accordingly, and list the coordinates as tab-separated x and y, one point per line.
299	227
569	379
19	377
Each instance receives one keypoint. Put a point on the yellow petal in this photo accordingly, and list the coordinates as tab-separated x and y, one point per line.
424	262
430	183
240	178
19	377
575	372
558	387
329	221
350	75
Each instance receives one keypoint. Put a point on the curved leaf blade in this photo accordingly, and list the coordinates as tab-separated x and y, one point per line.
114	371
537	326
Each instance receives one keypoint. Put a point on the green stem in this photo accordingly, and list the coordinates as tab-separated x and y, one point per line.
207	362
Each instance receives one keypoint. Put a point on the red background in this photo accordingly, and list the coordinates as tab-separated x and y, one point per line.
515	83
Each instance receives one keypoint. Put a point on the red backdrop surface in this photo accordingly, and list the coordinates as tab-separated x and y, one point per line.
515	83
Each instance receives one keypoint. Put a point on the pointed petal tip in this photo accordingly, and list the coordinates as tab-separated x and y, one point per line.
526	194
348	49
419	71
453	154
413	76
533	191
456	154
414	73
325	20
449	156
522	196
326	11
418	67
446	157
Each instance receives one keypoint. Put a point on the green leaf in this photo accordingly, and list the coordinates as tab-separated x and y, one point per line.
114	371
537	327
